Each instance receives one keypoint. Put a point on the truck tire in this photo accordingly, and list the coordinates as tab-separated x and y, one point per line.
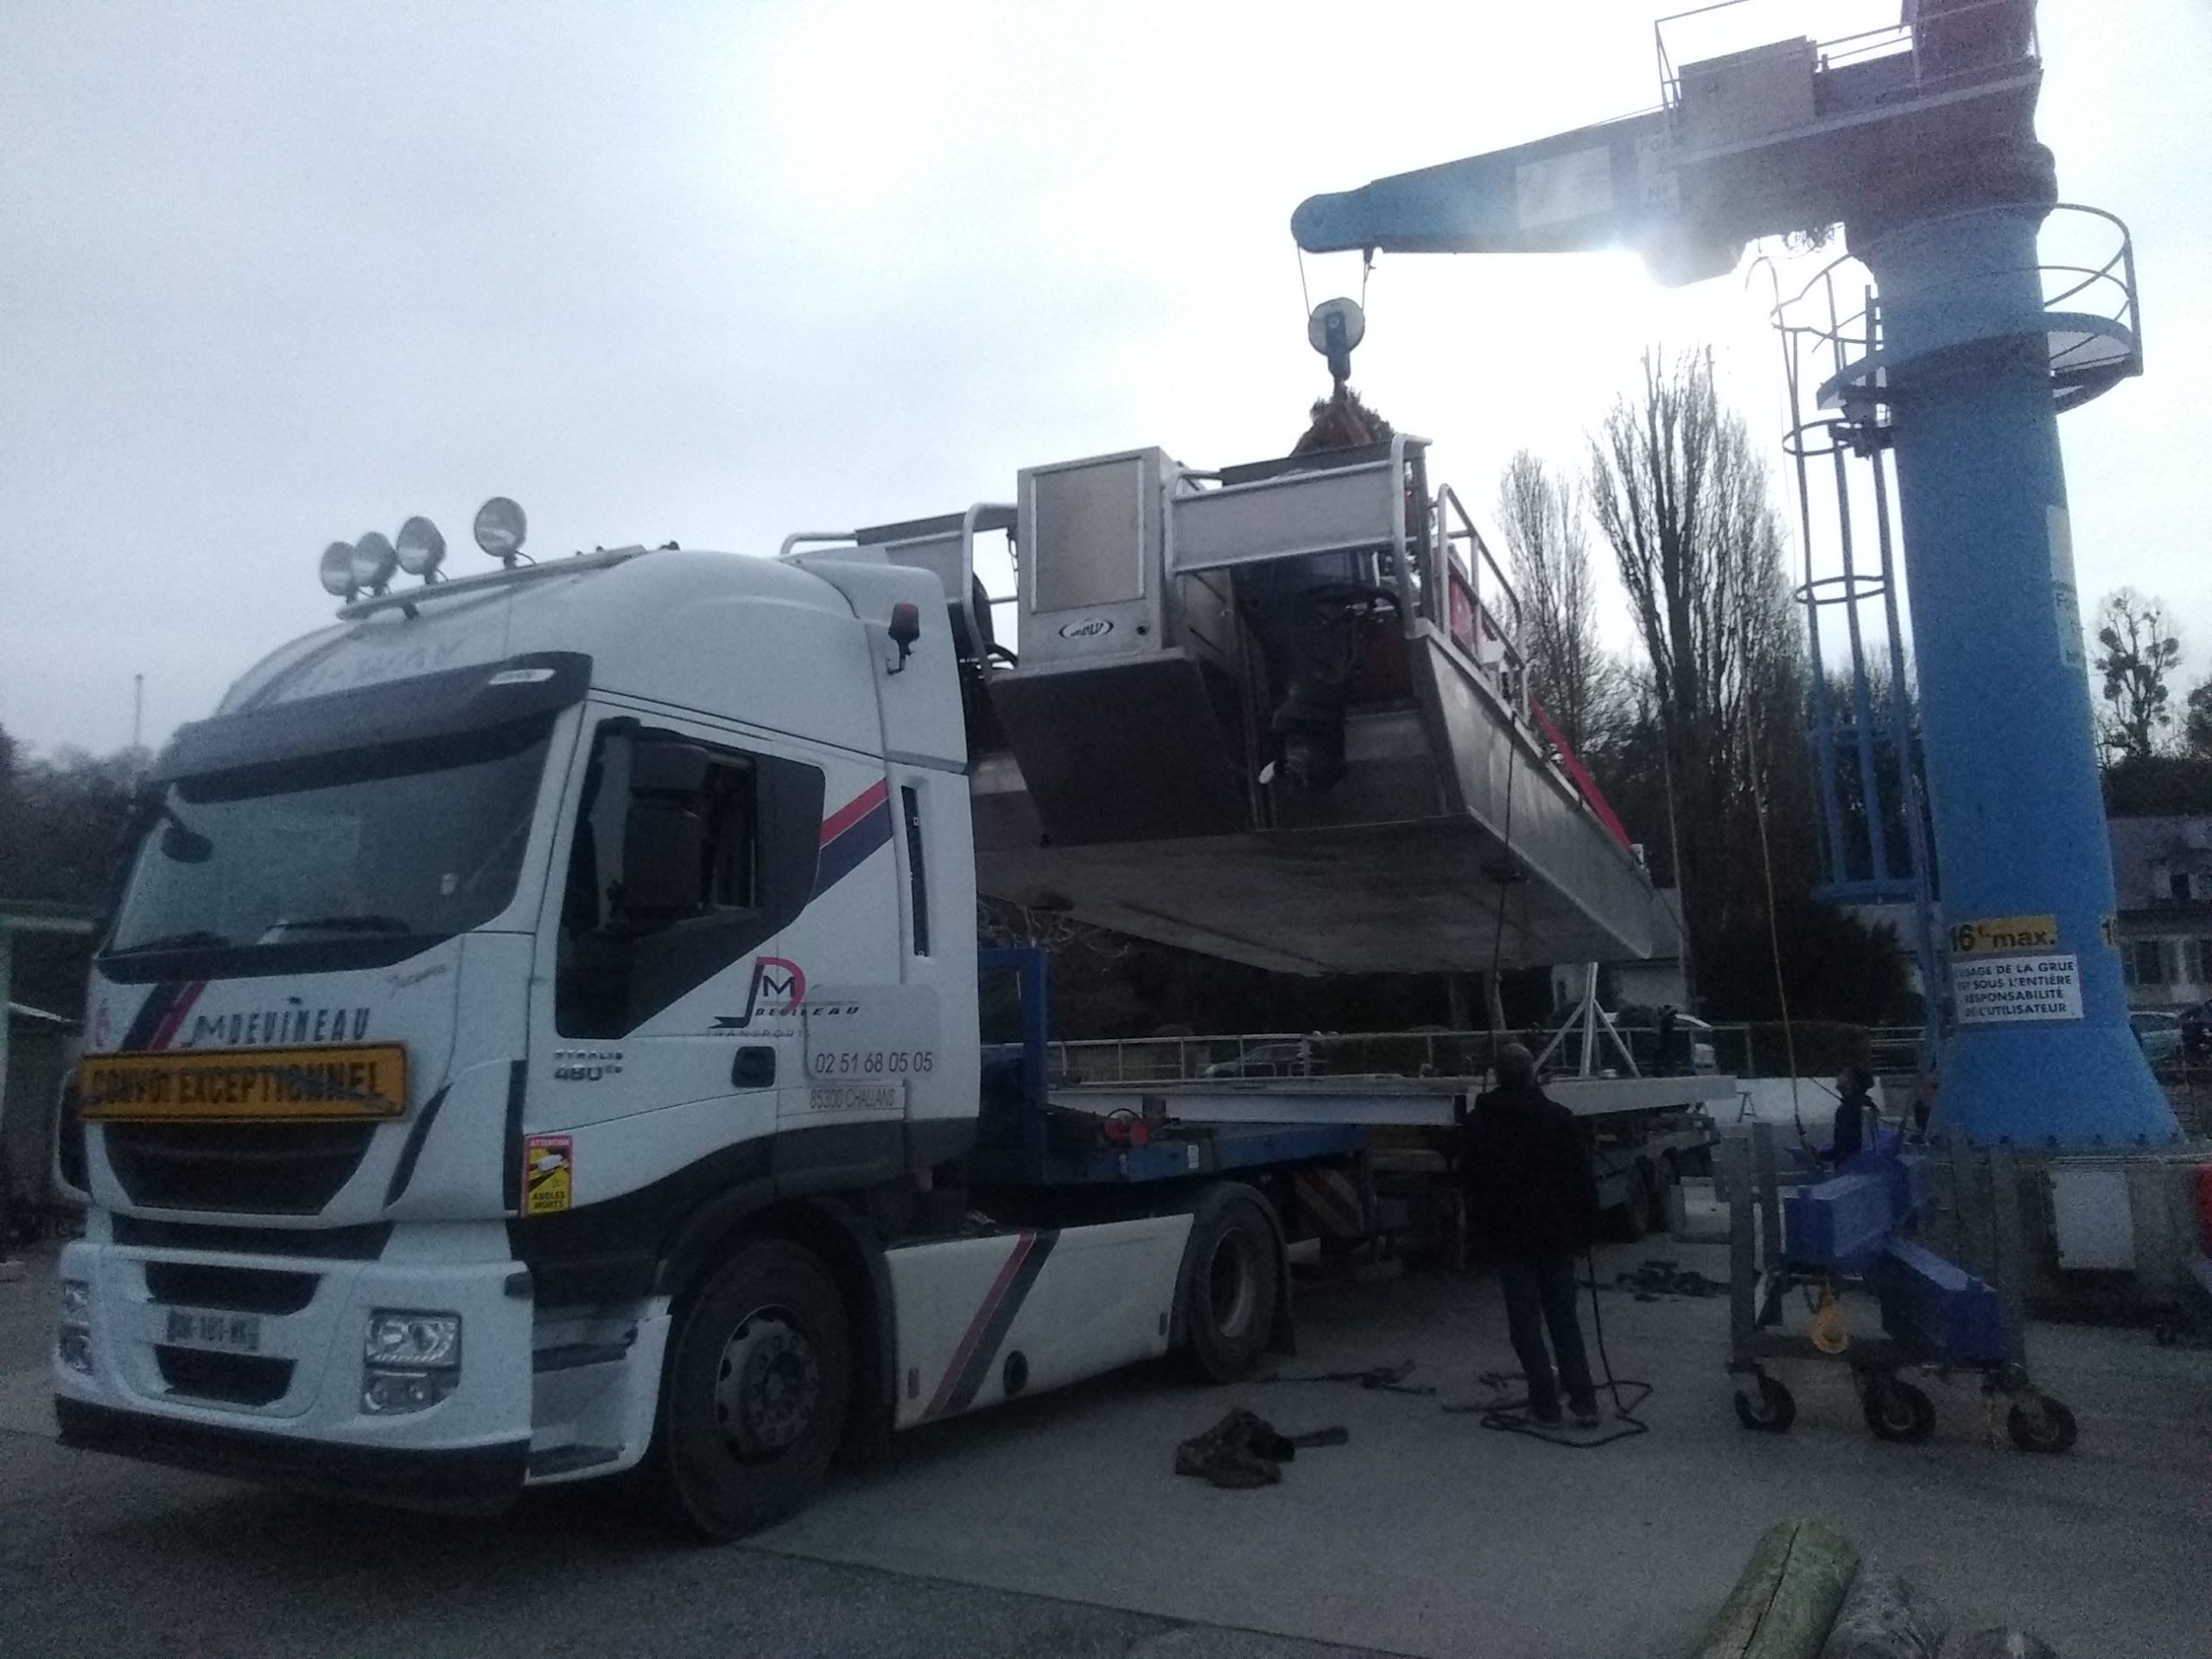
754	1396
1642	1209
1671	1177
1624	1223
1232	1284
1652	1195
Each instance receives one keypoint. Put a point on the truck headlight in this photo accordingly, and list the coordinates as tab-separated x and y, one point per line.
410	1361
73	1338
413	1340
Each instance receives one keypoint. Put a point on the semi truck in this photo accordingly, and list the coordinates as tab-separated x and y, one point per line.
539	1036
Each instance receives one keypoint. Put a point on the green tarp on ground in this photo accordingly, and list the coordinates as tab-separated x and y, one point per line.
1788	1597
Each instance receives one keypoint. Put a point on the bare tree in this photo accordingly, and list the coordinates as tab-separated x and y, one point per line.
1682	496
2138	649
1543	516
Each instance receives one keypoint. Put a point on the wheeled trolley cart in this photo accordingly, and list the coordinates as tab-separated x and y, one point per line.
1798	1241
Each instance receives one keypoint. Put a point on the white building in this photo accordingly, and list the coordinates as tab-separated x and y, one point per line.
2163	871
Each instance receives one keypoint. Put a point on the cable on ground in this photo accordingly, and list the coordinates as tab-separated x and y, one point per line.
1510	1416
1385	1379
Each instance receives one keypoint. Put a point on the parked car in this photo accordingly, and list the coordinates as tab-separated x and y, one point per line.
2157	1032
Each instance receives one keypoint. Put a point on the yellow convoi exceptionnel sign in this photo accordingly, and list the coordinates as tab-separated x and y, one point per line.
262	1085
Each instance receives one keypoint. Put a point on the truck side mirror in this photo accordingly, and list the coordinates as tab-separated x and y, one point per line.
663	833
906	628
181	843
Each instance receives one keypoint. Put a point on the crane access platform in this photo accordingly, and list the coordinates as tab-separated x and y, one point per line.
1274	713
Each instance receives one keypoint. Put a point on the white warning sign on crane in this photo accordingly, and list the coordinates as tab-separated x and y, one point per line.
1996	990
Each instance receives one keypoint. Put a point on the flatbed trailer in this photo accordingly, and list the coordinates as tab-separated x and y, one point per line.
1389	1136
1383	1102
1646	1133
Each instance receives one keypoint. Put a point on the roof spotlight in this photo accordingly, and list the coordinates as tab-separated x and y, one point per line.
337	569
499	528
373	561
421	549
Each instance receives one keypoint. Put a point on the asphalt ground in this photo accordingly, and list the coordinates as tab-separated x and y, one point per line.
1056	1525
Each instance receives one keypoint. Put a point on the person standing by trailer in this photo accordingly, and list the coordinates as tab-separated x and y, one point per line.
1854	1111
1533	1202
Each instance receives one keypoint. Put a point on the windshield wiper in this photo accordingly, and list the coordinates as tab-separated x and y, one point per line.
198	939
344	924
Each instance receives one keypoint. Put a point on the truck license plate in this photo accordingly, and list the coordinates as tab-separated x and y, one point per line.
221	1333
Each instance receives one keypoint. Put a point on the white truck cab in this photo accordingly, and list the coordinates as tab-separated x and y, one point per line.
536	1013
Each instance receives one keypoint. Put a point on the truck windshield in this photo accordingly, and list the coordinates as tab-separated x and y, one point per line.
368	854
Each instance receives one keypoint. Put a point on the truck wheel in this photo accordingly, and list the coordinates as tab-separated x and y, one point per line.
1671	1177
1624	1222
1232	1288
1651	1193
753	1401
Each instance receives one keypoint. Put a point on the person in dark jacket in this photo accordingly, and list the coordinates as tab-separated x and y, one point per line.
2196	1032
1533	1201
1854	1111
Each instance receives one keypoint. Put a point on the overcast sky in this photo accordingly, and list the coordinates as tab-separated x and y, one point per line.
276	274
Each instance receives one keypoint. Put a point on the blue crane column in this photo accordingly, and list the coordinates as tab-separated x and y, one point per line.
2004	698
1927	155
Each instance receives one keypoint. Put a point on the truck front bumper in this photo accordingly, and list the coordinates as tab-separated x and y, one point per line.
468	1480
291	1408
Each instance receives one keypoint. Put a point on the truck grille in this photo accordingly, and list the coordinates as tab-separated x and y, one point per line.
236	1290
365	1242
231	1379
278	1169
